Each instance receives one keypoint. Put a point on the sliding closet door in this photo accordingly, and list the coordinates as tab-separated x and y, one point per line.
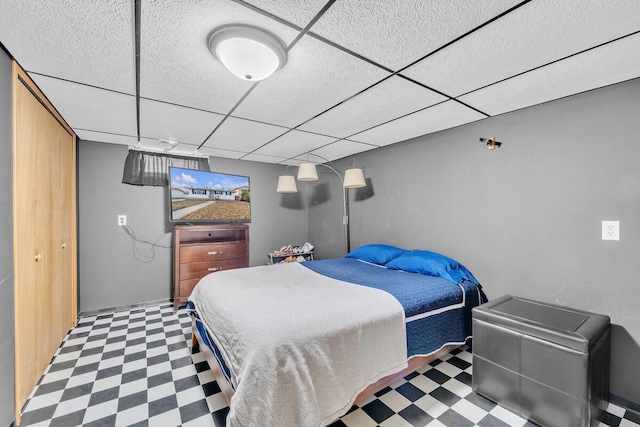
44	233
62	215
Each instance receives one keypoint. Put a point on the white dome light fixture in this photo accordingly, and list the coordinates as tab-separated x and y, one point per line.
250	53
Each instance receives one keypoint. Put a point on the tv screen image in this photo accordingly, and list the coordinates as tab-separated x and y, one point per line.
212	197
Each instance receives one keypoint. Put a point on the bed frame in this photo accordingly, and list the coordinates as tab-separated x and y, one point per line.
414	364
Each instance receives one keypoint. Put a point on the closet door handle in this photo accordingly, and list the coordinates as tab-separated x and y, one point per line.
38	257
215	253
64	245
215	269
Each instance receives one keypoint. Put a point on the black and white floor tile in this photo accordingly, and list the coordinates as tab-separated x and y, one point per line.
135	368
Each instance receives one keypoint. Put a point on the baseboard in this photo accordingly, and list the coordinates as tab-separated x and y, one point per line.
624	403
123	307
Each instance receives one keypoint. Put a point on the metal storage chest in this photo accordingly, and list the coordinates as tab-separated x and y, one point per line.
547	363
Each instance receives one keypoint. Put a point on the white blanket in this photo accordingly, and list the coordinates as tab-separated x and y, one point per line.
300	346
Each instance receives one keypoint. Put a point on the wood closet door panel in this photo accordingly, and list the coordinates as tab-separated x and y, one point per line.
44	218
62	244
32	248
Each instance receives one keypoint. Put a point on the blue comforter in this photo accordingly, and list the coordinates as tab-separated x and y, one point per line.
438	311
418	293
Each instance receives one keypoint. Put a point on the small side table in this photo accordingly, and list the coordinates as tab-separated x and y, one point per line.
274	259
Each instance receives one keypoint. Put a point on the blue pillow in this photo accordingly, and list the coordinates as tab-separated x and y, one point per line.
376	254
432	264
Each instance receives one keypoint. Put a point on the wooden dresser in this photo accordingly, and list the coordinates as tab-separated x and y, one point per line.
203	249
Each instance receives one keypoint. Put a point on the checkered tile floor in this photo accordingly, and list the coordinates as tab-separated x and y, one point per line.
135	368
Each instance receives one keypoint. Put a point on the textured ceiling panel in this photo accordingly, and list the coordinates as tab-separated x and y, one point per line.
89	108
263	159
176	65
216	152
392	98
156	145
294	162
341	149
298	12
87	135
83	41
243	135
167	121
316	77
294	143
442	116
396	33
608	64
535	34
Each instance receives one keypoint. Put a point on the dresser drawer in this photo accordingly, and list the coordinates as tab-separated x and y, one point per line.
212	251
197	270
199	250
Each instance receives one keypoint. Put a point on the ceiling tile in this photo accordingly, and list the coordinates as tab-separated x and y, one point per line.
315	78
295	11
343	148
216	152
433	119
132	141
533	35
86	42
388	100
156	145
90	108
87	135
294	143
176	65
397	33
160	120
294	162
263	159
243	135
612	63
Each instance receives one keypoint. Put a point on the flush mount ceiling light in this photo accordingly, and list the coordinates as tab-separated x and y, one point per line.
250	53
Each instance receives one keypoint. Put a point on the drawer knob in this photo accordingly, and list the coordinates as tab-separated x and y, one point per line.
215	253
38	257
215	269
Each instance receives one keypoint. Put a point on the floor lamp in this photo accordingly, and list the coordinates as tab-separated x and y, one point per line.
352	178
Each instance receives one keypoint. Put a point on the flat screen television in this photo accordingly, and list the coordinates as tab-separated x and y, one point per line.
208	197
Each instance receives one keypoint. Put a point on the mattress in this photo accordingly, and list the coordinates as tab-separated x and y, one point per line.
437	311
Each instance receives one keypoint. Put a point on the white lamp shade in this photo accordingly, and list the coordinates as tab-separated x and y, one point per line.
287	184
250	53
307	172
354	178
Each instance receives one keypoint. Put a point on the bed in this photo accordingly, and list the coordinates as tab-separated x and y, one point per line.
297	344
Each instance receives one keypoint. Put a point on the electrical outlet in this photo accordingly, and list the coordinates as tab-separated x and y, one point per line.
122	220
610	230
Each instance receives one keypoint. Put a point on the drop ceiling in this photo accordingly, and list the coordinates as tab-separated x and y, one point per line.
361	74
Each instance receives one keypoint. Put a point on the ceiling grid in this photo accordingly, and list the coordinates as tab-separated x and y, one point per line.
361	74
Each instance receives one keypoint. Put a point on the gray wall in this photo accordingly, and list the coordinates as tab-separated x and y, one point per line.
6	245
109	273
525	218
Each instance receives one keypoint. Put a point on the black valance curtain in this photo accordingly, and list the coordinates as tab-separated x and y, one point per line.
149	168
